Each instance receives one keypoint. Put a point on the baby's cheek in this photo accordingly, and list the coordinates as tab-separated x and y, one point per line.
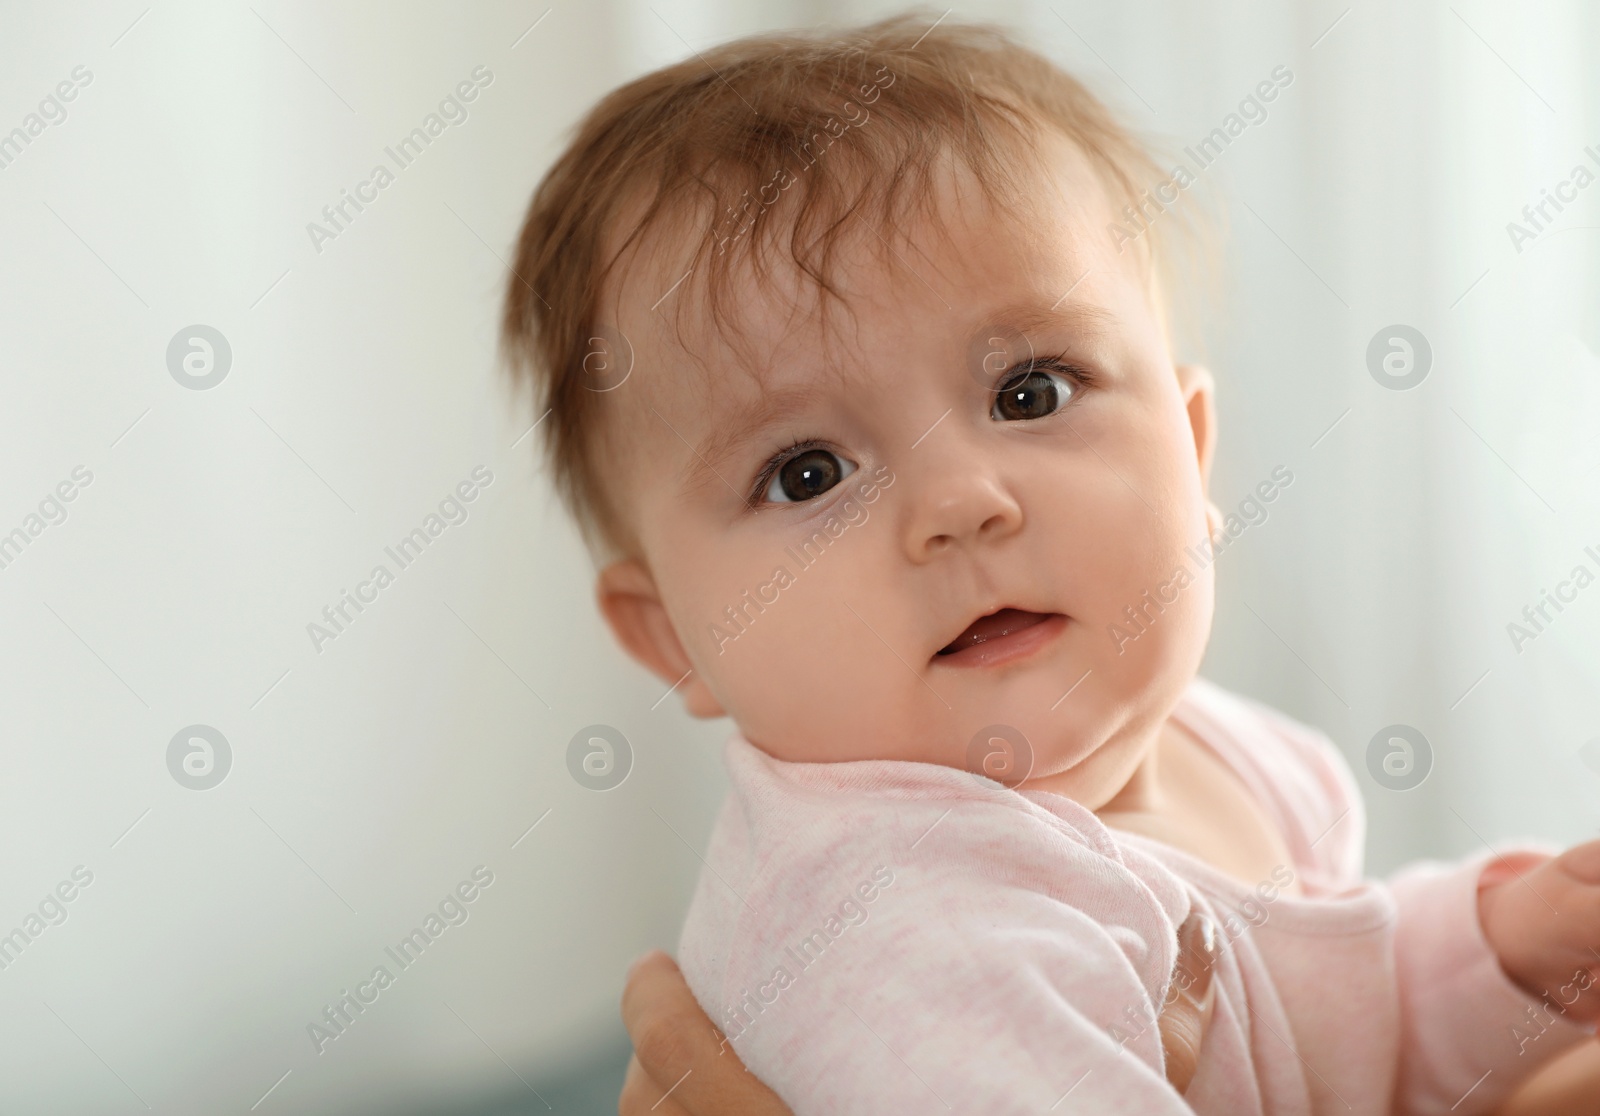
1147	622
775	648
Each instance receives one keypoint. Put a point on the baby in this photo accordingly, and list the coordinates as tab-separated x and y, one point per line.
861	388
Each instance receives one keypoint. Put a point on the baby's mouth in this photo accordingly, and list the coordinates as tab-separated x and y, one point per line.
996	625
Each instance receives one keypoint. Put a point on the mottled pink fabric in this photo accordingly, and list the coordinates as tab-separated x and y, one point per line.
885	937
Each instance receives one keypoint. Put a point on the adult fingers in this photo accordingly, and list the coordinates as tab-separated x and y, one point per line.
1184	1019
1566	1084
679	1049
641	1096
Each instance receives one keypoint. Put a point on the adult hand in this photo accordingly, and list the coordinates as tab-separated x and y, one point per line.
1541	915
1567	1085
1191	1000
681	1064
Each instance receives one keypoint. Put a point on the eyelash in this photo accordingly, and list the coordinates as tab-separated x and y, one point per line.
1058	363
776	462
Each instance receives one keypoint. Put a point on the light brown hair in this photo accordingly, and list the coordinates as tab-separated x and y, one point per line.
833	128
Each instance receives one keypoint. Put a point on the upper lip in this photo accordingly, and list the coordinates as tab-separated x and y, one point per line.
1046	612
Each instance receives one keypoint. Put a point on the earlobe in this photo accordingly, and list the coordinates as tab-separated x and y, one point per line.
631	604
1199	400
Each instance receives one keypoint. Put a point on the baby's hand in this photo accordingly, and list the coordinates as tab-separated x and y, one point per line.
1544	923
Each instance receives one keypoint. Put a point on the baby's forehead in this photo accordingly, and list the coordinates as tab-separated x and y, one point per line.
741	309
713	361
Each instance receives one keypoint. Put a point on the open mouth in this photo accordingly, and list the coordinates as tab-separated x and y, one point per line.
1003	634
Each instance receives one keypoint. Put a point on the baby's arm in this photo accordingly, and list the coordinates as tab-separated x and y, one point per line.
1005	1022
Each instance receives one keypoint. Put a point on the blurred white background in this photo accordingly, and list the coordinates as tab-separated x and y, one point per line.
370	776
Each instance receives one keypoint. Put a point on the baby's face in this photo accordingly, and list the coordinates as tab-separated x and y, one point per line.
995	430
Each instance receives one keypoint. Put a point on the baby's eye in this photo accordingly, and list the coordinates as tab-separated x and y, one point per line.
806	476
1032	394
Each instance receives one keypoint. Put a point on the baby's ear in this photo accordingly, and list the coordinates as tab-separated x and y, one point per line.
632	606
1199	399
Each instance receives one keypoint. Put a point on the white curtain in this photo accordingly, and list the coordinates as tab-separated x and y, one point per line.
370	771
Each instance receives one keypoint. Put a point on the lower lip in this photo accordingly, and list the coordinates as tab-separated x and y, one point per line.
1006	648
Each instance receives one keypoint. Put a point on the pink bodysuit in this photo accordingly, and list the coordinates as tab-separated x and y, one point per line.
885	937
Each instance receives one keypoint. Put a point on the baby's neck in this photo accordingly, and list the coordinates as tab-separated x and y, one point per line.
1143	793
1183	795
1122	776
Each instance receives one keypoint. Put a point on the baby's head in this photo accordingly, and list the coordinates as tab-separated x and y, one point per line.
863	396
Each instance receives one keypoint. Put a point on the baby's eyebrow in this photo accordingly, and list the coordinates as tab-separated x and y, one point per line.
738	429
1080	317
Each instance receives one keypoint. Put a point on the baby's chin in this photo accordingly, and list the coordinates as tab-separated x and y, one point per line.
1085	749
1075	716
1091	742
1096	778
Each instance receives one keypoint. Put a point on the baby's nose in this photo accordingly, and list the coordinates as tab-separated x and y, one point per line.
959	508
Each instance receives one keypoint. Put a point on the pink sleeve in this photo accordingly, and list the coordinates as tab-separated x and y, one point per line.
996	966
1005	1022
1469	1035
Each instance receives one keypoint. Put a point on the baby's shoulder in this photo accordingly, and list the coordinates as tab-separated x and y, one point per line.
787	825
811	853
